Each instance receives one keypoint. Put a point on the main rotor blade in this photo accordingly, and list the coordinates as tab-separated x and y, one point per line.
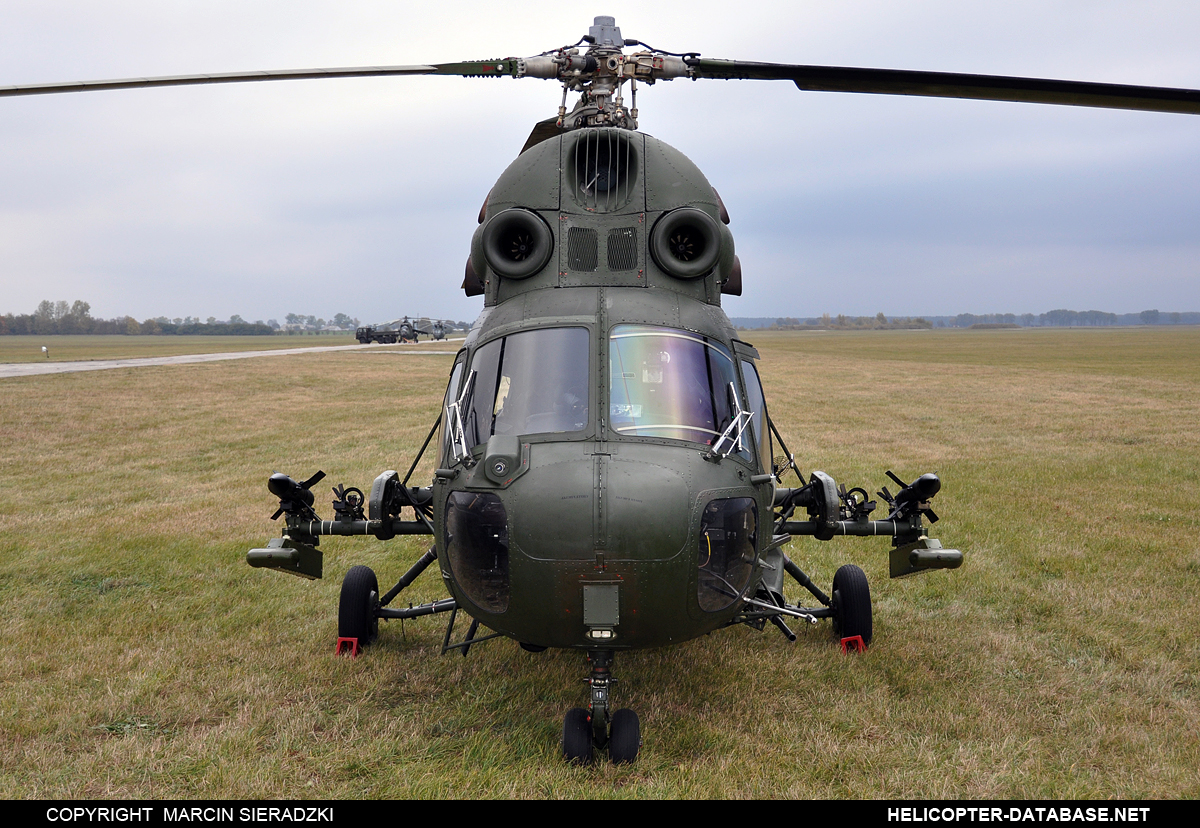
491	68
952	85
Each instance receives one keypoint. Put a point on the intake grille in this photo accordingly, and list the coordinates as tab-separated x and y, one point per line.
582	248
603	169
622	249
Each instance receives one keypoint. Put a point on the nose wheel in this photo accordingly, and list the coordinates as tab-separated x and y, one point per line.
625	737
584	731
577	737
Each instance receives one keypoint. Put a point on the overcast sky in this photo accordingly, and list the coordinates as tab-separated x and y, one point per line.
360	196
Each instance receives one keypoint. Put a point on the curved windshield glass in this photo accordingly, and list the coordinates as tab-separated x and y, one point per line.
477	544
670	383
531	382
728	532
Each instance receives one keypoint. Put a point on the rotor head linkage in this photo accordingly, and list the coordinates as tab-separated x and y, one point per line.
599	73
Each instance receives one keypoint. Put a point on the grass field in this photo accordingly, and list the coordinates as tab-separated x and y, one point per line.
147	660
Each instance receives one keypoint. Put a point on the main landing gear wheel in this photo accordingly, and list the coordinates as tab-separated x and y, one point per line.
625	737
357	605
577	737
851	604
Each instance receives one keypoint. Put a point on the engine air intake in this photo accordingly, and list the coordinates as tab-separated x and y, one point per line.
685	243
603	168
517	243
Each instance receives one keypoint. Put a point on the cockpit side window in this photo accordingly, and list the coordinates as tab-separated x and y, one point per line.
447	452
532	382
675	384
758	409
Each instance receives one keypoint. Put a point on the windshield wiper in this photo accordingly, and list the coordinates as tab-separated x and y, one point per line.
454	420
739	422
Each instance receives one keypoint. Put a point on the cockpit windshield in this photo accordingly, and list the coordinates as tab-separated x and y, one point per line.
531	382
675	384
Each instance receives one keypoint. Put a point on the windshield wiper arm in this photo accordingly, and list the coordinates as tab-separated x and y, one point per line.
738	422
454	419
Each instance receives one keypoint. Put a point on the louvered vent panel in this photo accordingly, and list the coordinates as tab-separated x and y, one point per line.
622	249
582	248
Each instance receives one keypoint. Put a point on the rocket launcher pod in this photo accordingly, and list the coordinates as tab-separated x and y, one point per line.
922	554
287	555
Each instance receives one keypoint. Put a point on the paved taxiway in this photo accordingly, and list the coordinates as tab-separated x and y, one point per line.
29	369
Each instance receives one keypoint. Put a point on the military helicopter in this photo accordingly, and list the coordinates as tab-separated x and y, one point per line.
402	330
606	476
437	330
387	333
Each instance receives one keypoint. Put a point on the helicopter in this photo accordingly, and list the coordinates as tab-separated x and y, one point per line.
435	329
402	330
606	473
398	330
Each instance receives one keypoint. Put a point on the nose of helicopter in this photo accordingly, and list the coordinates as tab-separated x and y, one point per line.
596	543
577	502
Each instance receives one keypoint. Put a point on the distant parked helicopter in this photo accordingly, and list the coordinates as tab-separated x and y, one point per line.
401	330
606	476
437	330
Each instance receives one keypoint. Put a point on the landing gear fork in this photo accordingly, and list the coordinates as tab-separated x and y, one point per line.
600	682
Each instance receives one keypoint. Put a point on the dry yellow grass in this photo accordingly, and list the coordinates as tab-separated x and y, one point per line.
1061	660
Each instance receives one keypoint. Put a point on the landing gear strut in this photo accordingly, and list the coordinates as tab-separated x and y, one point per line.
584	730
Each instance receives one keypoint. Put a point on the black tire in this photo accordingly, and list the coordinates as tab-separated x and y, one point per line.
625	737
577	737
851	604
356	607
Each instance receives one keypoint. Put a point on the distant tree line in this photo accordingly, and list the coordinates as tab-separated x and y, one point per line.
1061	318
300	322
878	322
56	318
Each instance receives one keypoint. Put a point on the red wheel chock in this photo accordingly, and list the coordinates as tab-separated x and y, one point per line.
351	645
853	644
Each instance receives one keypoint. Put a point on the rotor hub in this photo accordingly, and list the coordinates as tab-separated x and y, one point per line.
599	73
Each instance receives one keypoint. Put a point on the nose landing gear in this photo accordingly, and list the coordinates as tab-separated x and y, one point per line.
594	728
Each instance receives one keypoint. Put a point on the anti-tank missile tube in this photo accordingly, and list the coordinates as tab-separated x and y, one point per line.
382	529
860	528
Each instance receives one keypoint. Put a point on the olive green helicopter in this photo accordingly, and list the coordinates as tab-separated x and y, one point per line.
402	330
606	469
